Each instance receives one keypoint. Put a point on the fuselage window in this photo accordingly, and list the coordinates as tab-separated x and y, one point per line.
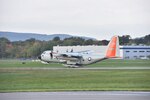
141	51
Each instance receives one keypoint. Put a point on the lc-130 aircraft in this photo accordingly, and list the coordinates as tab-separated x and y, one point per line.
77	59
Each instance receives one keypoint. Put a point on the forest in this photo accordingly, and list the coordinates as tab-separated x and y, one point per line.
31	48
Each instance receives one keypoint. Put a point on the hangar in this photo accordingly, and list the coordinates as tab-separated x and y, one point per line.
126	52
135	52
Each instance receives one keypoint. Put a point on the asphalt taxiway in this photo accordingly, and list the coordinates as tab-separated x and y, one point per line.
83	95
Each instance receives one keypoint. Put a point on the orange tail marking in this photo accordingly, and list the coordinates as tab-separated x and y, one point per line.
111	51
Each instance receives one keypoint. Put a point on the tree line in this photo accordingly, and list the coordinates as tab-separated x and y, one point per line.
31	48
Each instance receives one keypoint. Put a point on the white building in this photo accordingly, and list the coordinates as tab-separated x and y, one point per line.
135	52
126	52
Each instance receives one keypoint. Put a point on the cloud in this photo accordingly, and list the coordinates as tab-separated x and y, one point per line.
94	18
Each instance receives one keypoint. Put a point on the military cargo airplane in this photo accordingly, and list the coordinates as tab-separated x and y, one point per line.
77	59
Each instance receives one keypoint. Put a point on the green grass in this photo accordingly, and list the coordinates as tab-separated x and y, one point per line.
122	63
105	63
28	63
13	79
73	80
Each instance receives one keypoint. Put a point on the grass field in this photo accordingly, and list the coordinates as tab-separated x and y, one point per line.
70	79
105	63
27	63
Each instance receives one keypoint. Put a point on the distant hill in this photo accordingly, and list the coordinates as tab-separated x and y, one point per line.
15	36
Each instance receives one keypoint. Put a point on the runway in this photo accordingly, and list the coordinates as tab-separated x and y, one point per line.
83	95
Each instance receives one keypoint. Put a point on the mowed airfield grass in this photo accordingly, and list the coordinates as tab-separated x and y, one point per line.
104	63
15	77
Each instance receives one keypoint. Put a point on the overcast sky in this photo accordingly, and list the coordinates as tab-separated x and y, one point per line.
100	19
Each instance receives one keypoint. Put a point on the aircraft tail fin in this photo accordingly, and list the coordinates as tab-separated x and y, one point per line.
113	48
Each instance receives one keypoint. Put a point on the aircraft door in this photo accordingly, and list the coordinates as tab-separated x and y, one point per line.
51	55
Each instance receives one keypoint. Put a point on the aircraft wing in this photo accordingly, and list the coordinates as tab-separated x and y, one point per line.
73	55
70	56
86	51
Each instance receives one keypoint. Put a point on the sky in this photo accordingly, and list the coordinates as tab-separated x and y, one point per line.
100	19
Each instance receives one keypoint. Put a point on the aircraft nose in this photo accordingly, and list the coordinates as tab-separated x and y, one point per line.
39	57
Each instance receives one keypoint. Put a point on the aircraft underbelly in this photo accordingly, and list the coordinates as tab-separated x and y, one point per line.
72	62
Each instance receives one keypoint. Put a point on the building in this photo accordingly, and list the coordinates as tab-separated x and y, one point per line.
126	52
135	52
